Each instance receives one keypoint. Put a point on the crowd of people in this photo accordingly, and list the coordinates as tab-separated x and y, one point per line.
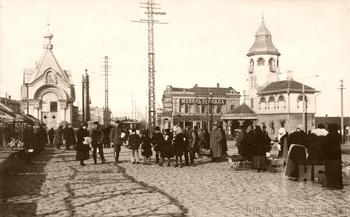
300	152
184	145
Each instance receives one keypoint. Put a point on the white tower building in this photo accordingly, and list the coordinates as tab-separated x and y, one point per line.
263	63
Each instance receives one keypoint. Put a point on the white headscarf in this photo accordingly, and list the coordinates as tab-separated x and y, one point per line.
281	132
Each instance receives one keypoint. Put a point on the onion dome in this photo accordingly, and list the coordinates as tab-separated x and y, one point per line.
47	38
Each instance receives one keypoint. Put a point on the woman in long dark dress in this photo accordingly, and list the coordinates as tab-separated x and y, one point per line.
82	147
297	153
146	147
260	144
333	158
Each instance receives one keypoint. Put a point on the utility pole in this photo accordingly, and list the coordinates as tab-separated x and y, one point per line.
150	11
106	118
342	110
85	97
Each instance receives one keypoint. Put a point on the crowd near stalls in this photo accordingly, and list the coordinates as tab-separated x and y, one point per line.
315	156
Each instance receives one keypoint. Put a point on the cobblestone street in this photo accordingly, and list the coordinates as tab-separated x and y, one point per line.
56	185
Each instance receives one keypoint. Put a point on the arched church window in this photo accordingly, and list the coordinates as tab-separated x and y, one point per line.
51	78
281	102
272	65
271	102
261	61
300	101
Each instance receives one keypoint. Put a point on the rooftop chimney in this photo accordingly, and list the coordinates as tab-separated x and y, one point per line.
217	85
289	75
196	85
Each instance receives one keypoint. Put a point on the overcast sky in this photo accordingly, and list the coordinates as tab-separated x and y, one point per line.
205	42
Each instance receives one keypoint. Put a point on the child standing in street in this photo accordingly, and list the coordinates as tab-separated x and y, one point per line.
146	148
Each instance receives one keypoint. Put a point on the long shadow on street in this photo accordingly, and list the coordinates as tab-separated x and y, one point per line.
19	183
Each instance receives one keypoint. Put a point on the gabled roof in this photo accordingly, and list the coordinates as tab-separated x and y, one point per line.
242	109
242	112
47	61
286	86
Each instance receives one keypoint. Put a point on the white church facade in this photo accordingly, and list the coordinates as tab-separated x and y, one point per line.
276	102
48	91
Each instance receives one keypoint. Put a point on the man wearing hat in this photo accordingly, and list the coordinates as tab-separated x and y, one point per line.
116	140
97	143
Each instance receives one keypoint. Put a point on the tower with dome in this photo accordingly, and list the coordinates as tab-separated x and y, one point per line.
48	91
277	103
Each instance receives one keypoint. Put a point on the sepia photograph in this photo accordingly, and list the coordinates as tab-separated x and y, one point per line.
174	108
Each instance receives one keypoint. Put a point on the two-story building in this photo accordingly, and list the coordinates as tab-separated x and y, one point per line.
197	106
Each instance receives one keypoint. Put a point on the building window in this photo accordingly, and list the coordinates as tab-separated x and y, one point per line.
53	106
232	107
281	102
186	108
261	62
300	101
262	103
251	66
271	102
272	65
202	108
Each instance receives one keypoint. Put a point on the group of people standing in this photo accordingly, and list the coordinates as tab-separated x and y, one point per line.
34	138
180	144
298	150
320	147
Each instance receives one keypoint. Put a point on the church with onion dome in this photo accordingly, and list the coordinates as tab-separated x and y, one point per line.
48	91
276	103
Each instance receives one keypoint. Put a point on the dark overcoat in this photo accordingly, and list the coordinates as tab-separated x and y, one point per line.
134	141
115	137
82	149
216	140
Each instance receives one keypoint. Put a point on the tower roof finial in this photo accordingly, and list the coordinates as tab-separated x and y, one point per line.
48	36
262	16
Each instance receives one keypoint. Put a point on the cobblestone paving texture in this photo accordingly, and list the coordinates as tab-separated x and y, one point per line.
56	185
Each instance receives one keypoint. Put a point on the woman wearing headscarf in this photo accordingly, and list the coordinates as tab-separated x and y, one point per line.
333	158
297	152
248	143
260	144
316	143
282	143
